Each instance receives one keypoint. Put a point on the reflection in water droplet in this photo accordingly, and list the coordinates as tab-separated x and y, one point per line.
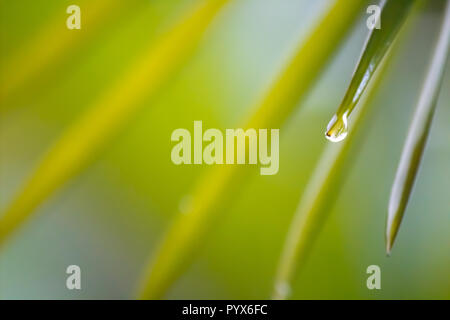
337	128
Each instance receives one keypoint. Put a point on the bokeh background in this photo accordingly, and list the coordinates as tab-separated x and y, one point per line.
110	217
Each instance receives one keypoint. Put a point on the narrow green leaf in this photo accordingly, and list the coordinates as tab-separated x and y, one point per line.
394	13
185	236
418	133
81	141
323	188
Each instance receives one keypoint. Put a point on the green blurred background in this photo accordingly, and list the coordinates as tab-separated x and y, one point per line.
109	219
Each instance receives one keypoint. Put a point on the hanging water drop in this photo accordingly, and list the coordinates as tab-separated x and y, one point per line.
394	14
337	128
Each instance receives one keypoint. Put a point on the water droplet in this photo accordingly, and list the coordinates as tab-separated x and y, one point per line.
337	128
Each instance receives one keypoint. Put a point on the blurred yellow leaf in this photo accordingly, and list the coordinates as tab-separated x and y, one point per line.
49	44
78	144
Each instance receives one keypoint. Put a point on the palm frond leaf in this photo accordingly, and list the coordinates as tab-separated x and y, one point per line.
325	183
393	15
418	133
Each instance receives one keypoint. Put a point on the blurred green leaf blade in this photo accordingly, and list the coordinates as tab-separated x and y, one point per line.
187	233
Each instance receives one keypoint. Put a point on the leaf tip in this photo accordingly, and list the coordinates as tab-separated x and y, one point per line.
392	227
